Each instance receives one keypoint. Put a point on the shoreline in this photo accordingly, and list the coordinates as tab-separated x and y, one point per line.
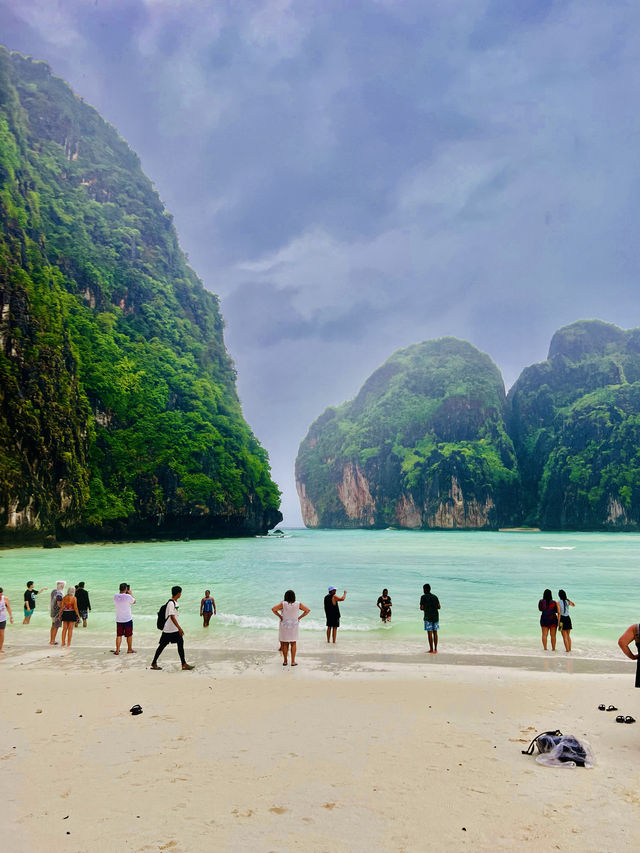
342	659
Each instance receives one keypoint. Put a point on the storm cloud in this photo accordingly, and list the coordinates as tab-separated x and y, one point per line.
352	178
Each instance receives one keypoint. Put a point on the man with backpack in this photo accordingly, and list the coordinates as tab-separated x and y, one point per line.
171	630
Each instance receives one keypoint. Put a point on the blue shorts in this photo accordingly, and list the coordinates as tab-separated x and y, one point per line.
431	626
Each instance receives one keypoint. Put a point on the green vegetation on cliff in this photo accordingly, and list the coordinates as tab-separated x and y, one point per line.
118	408
422	445
575	424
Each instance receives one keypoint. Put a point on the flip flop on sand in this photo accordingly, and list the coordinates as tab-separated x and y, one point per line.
612	708
620	718
629	720
602	707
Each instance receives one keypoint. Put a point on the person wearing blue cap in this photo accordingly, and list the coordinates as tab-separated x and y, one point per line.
332	611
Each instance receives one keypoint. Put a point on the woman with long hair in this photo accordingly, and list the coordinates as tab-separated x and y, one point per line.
289	612
69	614
548	619
564	619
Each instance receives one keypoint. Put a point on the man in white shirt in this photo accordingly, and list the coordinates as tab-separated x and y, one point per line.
172	632
124	621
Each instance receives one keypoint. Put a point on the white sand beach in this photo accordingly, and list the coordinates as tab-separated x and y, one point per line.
261	758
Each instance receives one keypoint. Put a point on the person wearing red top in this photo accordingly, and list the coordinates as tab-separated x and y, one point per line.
548	619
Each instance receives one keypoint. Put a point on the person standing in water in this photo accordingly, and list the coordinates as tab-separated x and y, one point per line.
30	601
332	611
54	610
429	604
84	605
289	612
207	608
69	615
384	606
564	619
548	619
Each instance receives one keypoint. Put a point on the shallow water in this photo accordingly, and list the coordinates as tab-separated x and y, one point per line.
488	585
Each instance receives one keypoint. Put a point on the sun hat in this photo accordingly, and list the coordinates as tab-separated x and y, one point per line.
332	589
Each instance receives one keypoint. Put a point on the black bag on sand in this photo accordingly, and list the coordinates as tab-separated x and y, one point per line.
557	750
545	742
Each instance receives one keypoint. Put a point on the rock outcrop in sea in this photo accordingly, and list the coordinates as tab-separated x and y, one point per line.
423	445
575	424
119	415
429	443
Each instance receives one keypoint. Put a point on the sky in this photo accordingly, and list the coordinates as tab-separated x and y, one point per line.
355	176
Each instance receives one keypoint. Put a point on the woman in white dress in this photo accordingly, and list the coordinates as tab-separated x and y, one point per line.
289	612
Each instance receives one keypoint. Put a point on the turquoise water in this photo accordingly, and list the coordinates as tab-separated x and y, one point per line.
488	584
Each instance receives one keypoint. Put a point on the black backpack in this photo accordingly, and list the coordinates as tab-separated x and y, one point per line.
161	621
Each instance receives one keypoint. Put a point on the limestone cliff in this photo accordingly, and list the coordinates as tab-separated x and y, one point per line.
118	409
423	445
575	423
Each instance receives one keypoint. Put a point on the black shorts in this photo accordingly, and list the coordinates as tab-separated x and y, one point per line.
333	623
565	623
69	616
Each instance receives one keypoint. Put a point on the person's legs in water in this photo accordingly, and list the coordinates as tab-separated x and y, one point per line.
552	631
293	655
566	638
328	634
130	650
2	637
545	634
285	652
435	642
52	635
335	631
430	637
70	632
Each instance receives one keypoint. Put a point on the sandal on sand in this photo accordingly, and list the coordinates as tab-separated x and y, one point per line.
155	666
602	707
136	710
629	720
619	719
294	664
187	666
612	708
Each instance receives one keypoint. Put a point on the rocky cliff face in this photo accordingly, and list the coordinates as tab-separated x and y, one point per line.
429	443
574	422
423	445
118	409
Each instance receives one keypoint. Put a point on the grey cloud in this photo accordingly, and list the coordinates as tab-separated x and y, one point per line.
356	177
